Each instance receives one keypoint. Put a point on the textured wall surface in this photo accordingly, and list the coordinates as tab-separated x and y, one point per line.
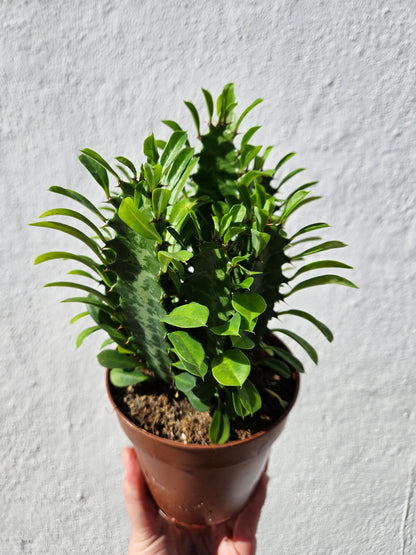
338	79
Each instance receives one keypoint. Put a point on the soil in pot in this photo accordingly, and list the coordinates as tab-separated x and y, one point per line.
167	413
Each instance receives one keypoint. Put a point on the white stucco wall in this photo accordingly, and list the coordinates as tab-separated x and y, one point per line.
338	79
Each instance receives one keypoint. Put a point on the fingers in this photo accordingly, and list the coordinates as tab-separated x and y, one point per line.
142	511
247	521
243	541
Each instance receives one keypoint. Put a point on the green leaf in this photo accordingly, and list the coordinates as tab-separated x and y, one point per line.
185	382
85	333
83	287
187	348
84	274
137	221
322	280
238	406
172	148
157	172
165	258
219	430
238	213
180	184
320	325
178	167
195	115
320	264
248	177
302	342
77	216
248	153
290	175
106	342
250	397
69	256
237	259
123	378
210	104
311	227
97	171
96	157
160	199
246	284
74	232
126	162
319	248
191	315
242	342
149	175
231	327
115	335
278	366
284	160
74	195
113	359
78	316
259	240
246	111
305	201
92	302
247	136
260	160
198	371
231	368
249	305
172	124
292	204
150	149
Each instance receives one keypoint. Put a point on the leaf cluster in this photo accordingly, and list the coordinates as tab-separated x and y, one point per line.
189	258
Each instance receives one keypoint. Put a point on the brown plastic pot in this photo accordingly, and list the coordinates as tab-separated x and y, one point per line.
201	484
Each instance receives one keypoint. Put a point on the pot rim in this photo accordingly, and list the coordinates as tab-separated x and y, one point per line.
197	447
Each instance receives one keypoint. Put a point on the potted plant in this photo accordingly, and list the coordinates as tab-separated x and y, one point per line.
190	263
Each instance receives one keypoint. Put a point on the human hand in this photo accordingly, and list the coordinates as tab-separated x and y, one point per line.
153	534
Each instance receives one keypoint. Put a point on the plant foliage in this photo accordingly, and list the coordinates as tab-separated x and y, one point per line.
189	267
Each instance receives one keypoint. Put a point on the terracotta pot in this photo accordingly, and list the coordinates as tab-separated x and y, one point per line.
201	484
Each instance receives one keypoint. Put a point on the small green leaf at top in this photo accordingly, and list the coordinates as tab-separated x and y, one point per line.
191	315
231	368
